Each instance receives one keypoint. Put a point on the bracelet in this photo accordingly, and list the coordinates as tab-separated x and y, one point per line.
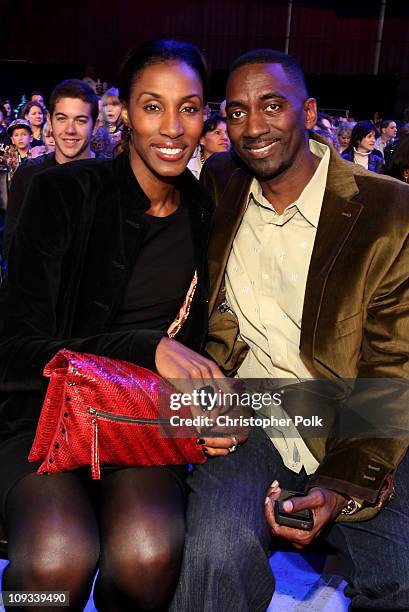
352	506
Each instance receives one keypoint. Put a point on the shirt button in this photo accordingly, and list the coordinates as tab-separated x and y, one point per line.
266	276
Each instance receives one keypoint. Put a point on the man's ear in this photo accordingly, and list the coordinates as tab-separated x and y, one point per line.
310	110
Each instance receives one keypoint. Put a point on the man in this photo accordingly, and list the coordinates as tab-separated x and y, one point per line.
388	133
38	96
73	113
309	270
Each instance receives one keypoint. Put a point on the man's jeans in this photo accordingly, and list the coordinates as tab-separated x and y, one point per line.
225	566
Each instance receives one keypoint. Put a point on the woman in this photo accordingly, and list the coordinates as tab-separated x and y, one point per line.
111	107
33	112
344	131
214	140
108	134
214	137
361	149
398	166
101	261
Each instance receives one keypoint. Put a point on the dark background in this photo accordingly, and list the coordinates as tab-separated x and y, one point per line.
45	41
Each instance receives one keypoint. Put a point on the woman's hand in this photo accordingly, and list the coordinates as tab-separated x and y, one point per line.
188	372
220	447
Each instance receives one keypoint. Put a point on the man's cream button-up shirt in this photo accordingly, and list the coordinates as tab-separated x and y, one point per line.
265	279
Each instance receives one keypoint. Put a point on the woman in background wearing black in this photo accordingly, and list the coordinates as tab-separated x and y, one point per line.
33	112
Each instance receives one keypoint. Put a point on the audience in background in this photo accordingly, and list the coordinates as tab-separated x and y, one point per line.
111	108
34	113
361	149
109	131
344	131
393	143
38	96
21	136
101	142
73	112
329	135
324	122
49	142
214	136
360	144
214	139
388	132
9	116
325	128
4	137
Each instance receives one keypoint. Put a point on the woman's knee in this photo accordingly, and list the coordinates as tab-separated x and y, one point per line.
55	560
145	573
60	570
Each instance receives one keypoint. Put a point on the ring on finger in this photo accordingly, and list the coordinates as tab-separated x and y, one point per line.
234	445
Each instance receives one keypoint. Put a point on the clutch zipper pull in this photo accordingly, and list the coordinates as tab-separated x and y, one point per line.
95	467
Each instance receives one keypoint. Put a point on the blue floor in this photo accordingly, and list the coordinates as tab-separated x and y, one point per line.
299	586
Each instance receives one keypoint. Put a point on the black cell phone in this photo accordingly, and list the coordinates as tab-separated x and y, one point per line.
297	520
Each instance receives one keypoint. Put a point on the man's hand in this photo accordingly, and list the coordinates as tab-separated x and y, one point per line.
324	504
176	361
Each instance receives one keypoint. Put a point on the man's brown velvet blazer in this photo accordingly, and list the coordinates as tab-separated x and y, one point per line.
355	321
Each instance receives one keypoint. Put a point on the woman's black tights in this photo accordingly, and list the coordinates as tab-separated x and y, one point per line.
57	539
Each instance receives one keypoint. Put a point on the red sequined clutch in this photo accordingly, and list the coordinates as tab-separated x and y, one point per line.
106	411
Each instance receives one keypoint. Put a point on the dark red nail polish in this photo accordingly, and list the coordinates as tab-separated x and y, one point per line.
200	441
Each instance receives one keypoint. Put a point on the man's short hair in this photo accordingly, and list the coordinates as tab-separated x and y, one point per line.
385	123
74	88
288	63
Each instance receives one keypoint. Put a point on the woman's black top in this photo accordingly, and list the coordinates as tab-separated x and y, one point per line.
37	142
161	275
